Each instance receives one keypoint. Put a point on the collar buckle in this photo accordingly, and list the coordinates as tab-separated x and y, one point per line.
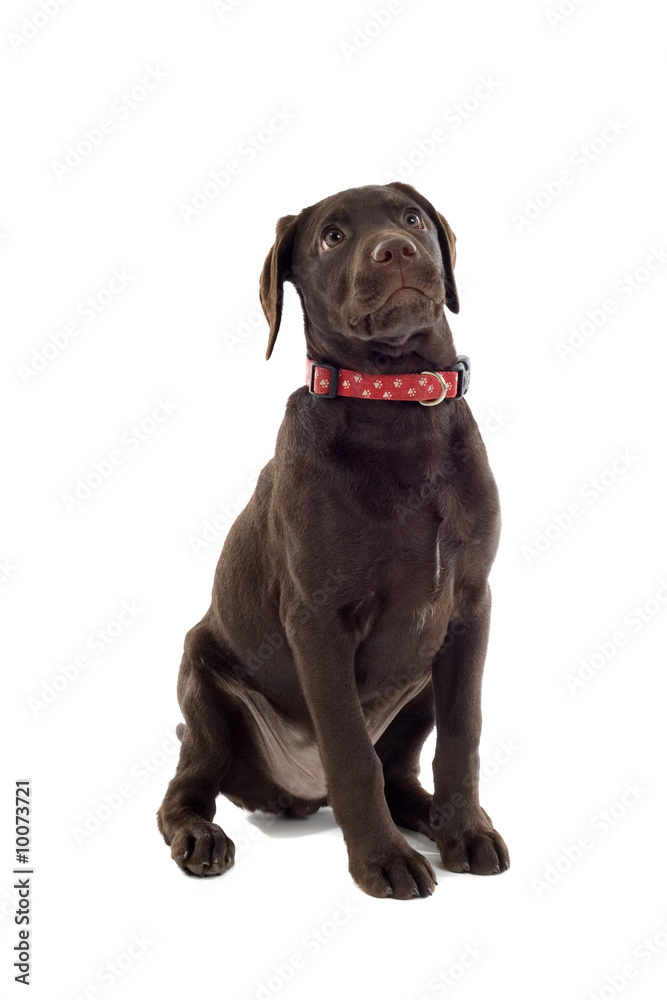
462	366
333	380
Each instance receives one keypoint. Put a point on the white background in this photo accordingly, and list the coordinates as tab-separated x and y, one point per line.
550	927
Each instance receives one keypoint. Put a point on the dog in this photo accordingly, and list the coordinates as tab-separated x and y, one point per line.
350	606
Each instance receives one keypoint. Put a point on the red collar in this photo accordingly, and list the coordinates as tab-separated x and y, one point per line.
427	388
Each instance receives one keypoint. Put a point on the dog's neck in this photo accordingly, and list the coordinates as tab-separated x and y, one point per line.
405	434
431	349
408	441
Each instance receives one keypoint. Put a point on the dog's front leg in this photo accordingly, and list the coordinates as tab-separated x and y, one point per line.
381	861
462	830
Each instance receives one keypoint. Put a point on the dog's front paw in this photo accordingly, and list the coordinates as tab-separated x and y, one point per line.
201	848
468	842
395	870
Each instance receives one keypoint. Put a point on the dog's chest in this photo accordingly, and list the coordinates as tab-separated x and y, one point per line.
428	534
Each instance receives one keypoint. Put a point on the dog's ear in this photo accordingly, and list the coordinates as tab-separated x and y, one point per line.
276	270
446	239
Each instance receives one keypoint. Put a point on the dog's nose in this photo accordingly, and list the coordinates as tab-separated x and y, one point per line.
394	249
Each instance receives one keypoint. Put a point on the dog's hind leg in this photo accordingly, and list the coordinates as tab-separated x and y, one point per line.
399	749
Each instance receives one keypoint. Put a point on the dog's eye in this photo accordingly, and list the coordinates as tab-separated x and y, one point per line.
332	237
413	220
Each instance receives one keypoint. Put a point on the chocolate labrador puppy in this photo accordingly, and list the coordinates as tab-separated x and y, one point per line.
350	607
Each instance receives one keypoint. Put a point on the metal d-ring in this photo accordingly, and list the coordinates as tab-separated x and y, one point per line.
434	402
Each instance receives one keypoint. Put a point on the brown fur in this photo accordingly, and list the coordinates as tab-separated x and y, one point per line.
350	607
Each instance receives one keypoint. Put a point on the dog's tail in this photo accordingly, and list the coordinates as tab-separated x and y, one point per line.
180	729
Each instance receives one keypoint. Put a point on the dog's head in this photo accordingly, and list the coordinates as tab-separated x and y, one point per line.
373	267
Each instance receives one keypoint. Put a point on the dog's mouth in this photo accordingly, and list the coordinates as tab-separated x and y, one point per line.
407	288
404	293
404	312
